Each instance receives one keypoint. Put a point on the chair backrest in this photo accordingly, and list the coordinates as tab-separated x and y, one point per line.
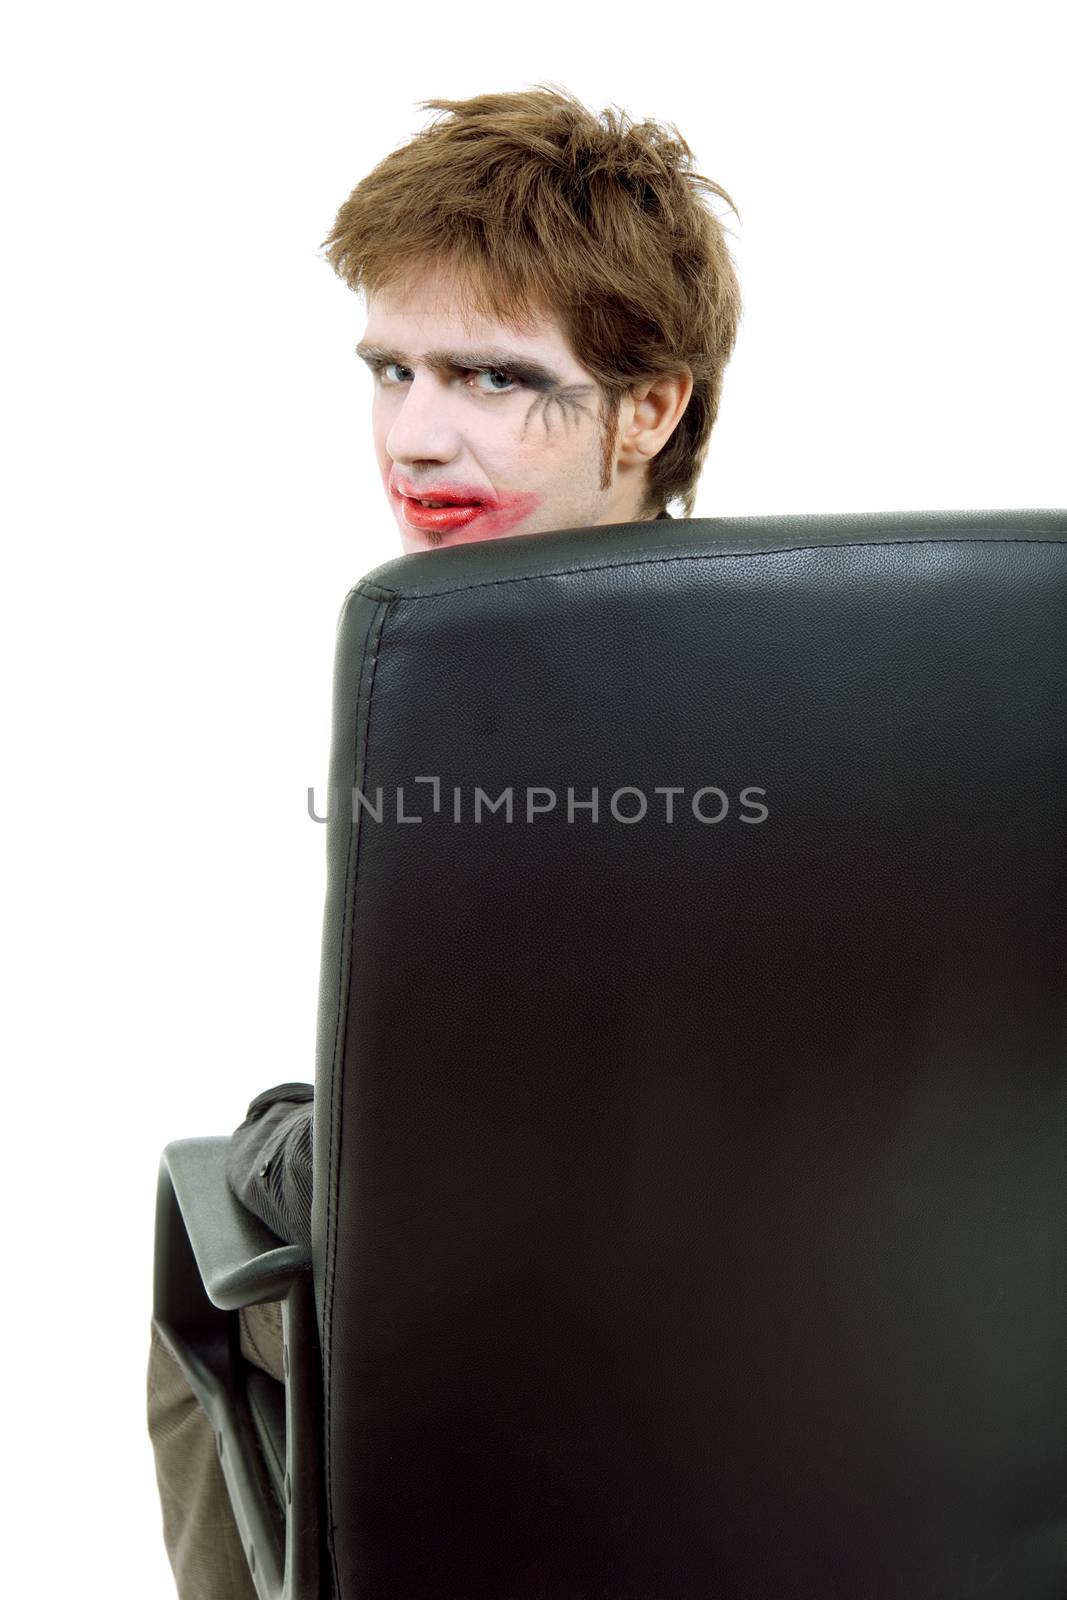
691	1178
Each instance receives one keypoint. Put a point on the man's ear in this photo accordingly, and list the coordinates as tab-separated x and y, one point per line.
658	405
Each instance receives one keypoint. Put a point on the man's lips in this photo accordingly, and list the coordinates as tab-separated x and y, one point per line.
440	518
488	513
455	494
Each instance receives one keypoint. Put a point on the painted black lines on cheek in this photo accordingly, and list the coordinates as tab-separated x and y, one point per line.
569	400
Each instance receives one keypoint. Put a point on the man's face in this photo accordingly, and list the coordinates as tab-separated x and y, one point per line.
470	410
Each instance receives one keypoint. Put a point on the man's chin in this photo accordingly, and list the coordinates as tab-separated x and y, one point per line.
413	543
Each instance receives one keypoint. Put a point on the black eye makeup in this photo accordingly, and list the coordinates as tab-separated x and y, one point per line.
512	379
549	397
530	374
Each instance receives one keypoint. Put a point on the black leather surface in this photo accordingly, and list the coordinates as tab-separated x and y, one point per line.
691	1200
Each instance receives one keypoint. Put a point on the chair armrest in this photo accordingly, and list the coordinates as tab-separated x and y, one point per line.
213	1256
239	1260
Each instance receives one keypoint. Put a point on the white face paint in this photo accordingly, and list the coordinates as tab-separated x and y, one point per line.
476	410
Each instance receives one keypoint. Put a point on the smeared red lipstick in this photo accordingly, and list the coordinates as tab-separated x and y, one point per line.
439	519
473	513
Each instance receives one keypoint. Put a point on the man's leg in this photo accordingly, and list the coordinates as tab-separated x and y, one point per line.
199	1530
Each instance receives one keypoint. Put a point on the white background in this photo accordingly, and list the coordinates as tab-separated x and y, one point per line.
191	491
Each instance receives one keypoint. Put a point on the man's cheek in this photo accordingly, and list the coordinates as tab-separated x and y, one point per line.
534	463
512	508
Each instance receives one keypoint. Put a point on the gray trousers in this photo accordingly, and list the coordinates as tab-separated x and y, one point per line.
199	1530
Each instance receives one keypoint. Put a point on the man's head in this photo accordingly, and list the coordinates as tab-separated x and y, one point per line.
550	310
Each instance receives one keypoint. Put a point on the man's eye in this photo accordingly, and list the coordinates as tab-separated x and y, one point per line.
496	372
508	380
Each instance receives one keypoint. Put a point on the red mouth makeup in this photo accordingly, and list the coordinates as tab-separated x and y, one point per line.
465	523
438	519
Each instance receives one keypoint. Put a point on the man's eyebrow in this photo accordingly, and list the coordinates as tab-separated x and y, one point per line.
480	360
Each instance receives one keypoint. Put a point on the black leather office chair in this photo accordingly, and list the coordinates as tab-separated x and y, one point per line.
690	1206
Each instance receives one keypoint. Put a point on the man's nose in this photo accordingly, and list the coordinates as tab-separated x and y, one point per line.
424	428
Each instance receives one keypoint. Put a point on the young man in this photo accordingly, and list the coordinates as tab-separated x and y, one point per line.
551	308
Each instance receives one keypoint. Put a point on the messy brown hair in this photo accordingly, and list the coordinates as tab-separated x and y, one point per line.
533	204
